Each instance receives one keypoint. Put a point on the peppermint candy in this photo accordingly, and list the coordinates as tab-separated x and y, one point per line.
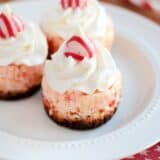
10	25
78	48
146	4
73	4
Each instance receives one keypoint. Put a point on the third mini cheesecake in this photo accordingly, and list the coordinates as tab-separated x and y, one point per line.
81	84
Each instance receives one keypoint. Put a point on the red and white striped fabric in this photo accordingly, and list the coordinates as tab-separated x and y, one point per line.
10	25
152	153
73	3
146	4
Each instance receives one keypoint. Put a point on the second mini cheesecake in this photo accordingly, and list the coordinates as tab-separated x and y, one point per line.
65	17
23	50
81	84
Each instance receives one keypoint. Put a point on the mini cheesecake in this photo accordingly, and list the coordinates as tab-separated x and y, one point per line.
81	85
23	49
67	17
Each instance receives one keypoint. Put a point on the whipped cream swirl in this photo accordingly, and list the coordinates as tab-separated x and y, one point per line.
28	47
91	74
91	19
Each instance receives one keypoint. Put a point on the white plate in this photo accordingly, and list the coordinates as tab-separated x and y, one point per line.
27	133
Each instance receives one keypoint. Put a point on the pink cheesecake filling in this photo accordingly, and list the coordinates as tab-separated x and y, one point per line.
19	78
77	102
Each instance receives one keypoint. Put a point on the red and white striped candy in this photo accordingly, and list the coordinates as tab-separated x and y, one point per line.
73	3
78	48
10	25
146	4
